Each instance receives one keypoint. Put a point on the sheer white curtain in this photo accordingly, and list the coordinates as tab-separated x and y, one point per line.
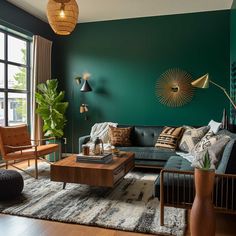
41	72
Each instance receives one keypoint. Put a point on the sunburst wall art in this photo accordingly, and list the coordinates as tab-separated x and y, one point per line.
174	88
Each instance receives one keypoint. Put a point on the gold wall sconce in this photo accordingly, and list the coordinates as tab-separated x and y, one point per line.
84	109
78	80
86	87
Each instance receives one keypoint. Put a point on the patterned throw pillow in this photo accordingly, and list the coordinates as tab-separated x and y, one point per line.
215	153
169	137
119	136
191	137
207	141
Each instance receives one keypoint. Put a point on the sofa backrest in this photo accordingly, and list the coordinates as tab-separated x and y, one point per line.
227	164
144	136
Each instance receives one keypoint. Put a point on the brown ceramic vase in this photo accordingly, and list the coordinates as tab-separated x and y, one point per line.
202	218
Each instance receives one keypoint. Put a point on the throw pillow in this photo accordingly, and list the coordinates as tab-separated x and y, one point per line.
191	137
169	137
215	153
214	126
119	136
101	130
208	140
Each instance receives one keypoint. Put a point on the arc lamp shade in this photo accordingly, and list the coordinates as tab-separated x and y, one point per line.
202	82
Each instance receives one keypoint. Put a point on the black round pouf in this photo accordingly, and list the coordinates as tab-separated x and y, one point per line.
11	184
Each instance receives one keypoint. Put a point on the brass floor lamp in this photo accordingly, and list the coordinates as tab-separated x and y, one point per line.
203	82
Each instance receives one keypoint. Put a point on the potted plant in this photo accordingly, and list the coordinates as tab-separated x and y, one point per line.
202	218
51	108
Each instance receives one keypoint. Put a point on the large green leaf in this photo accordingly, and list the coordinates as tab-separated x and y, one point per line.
51	108
43	111
206	162
60	97
42	88
61	107
52	84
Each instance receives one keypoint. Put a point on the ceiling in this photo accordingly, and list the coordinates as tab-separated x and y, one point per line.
100	10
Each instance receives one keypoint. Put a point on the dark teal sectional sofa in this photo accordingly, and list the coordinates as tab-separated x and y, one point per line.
147	155
177	173
143	145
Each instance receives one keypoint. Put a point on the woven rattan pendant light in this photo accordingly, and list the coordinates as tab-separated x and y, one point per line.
62	15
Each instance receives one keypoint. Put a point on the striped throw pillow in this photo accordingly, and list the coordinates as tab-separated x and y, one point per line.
169	137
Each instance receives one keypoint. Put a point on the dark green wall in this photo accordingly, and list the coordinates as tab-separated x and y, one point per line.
126	57
233	33
233	58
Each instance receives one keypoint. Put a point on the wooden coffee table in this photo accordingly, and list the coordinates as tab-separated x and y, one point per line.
103	175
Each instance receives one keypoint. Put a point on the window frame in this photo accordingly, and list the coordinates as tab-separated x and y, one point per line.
27	66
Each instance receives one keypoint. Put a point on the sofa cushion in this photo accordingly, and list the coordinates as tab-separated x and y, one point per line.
146	136
178	163
169	137
149	153
152	163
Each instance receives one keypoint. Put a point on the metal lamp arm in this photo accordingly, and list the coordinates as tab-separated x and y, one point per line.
224	90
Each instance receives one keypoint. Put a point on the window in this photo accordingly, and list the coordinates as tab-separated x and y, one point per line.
14	79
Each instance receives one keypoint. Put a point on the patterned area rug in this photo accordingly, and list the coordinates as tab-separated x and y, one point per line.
130	206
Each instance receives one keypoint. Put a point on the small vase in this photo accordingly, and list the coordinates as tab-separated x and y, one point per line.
202	218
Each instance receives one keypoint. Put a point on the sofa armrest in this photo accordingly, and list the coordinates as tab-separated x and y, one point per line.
227	164
83	140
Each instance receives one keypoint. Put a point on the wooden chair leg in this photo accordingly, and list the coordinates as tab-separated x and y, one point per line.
161	214
36	168
29	162
161	199
6	164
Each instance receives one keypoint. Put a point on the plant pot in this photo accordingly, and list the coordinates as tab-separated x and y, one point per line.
54	157
202	218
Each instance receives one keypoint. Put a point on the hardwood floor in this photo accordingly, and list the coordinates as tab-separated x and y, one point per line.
18	226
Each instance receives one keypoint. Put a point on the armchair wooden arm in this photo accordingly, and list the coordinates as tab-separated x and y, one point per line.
18	147
22	147
43	139
177	190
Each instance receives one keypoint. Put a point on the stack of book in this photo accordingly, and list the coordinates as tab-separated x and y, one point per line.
99	159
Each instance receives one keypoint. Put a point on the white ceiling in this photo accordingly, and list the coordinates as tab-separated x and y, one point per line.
100	10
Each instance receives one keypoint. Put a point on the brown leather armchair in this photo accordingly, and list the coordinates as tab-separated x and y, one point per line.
16	145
